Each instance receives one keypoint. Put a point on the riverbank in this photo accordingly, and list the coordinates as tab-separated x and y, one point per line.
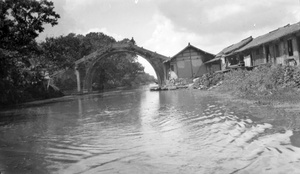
281	110
283	115
270	93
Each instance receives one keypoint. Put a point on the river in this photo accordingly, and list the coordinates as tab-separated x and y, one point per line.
138	131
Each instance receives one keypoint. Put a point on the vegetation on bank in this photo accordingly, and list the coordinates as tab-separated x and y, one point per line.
279	83
20	74
26	64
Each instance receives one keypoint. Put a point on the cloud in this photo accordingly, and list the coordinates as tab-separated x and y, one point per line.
124	17
224	16
214	25
65	23
102	30
166	40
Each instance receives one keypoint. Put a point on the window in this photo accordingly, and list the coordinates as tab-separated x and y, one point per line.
290	47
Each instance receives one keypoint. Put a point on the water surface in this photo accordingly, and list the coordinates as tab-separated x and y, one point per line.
138	131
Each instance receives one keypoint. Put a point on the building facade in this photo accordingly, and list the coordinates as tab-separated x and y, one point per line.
189	62
225	58
278	47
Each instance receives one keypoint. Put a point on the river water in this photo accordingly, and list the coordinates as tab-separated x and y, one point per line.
138	131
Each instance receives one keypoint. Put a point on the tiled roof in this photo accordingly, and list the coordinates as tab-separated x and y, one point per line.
271	36
231	49
189	46
234	47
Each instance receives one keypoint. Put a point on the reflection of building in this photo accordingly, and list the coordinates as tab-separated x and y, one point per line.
281	46
189	62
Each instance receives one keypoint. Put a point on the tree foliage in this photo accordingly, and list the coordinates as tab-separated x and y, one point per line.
61	52
96	40
21	22
116	70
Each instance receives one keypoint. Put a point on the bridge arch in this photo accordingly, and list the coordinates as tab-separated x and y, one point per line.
156	60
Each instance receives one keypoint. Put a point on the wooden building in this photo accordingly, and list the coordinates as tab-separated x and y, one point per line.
189	62
225	58
280	46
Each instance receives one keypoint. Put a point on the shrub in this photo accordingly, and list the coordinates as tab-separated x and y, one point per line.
262	80
179	82
208	80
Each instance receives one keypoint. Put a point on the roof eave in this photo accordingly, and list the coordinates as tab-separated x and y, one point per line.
189	45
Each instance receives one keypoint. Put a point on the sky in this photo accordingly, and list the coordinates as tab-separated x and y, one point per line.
167	26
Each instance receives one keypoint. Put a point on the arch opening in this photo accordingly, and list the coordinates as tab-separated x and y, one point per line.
148	68
90	62
94	72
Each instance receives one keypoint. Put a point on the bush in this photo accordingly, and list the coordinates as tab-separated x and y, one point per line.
179	82
262	80
208	80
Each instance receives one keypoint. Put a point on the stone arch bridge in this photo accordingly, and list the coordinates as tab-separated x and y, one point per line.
85	76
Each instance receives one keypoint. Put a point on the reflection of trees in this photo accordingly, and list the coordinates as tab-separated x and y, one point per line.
23	139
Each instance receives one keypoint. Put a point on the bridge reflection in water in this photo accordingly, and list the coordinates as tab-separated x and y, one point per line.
138	131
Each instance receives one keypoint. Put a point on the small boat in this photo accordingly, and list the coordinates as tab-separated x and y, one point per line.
155	88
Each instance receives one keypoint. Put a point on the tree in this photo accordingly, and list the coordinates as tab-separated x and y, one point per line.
123	69
96	40
21	22
61	52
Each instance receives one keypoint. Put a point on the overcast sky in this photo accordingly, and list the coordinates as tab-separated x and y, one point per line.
167	26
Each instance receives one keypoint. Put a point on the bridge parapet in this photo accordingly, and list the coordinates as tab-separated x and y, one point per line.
92	55
111	47
121	45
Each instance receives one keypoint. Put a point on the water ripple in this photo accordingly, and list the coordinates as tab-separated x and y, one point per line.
156	133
